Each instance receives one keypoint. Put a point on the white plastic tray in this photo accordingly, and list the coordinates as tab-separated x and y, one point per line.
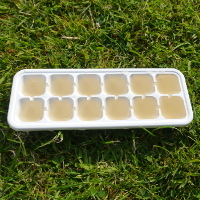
155	117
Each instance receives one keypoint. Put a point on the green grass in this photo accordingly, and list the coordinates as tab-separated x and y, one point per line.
102	164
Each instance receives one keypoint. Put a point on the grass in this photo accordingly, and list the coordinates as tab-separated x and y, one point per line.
161	163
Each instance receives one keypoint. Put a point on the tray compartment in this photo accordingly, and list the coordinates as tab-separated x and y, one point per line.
61	85
89	109
60	110
118	109
89	84
33	85
115	84
168	84
145	108
172	107
142	84
31	111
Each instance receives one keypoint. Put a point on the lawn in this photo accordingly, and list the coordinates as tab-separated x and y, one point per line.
162	163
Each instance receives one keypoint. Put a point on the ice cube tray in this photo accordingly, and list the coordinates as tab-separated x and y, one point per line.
52	99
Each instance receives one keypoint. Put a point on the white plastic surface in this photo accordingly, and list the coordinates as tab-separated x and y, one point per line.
73	119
